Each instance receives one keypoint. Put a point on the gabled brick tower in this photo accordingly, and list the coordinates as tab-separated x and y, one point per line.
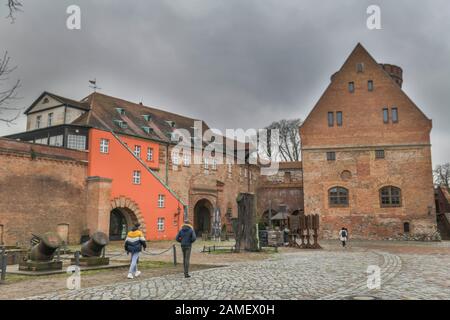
367	156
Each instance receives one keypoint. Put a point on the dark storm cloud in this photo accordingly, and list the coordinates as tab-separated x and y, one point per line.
233	63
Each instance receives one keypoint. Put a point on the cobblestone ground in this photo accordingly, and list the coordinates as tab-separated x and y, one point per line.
325	274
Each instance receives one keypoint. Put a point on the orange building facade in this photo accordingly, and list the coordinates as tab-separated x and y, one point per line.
153	203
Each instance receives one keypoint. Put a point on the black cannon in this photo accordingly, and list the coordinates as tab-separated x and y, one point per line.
95	245
91	251
41	257
46	248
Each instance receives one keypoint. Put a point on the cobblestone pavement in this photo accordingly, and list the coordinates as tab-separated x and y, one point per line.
298	275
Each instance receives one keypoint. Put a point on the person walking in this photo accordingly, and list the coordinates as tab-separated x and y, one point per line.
343	236
134	243
186	237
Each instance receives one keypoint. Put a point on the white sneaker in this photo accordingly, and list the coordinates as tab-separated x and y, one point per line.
137	273
130	276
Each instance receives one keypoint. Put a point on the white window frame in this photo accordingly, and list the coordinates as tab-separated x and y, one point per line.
161	224
49	119
187	159
149	154
104	145
38	121
175	158
136	177
137	151
161	201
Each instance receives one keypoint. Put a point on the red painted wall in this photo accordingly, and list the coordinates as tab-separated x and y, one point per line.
118	164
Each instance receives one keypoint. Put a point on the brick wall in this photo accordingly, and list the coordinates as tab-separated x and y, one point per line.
39	194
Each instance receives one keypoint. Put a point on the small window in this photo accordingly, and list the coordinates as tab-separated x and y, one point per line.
370	85
38	122
136	177
360	67
137	151
330	119
149	154
175	157
386	115
161	201
338	197
339	118
390	197
104	145
147	130
331	156
50	120
161	222
394	115
379	154
186	159
351	87
406	227
120	111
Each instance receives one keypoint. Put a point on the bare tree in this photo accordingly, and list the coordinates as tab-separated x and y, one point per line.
289	140
13	6
8	113
442	175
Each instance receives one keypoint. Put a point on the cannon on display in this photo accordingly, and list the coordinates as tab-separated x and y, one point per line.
41	257
93	251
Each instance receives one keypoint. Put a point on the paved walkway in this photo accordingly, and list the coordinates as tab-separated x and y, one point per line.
294	275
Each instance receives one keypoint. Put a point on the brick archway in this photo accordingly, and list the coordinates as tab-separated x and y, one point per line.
130	207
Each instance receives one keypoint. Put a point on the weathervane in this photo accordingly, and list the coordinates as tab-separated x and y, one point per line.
93	85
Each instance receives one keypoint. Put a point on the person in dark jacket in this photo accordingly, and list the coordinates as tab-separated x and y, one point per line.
134	243
186	236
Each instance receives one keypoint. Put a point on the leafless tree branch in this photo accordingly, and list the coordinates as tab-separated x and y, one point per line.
9	94
442	175
289	141
14	6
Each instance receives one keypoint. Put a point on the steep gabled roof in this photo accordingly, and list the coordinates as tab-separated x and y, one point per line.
360	47
73	103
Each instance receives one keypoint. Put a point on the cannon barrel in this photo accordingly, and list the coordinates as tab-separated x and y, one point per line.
45	249
94	246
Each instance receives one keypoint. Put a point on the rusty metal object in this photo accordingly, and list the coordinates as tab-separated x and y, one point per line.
46	248
315	224
95	245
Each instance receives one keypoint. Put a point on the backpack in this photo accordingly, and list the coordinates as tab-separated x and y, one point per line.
344	234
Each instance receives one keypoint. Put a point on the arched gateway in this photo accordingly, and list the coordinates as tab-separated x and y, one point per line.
124	214
203	216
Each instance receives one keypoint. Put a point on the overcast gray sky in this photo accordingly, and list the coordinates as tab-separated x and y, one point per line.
232	63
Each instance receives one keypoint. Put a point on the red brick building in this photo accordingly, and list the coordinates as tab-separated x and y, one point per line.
366	155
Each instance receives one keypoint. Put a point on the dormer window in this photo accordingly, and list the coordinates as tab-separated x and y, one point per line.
171	123
120	111
147	130
121	124
147	117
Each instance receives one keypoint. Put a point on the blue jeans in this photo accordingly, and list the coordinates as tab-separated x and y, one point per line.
134	262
